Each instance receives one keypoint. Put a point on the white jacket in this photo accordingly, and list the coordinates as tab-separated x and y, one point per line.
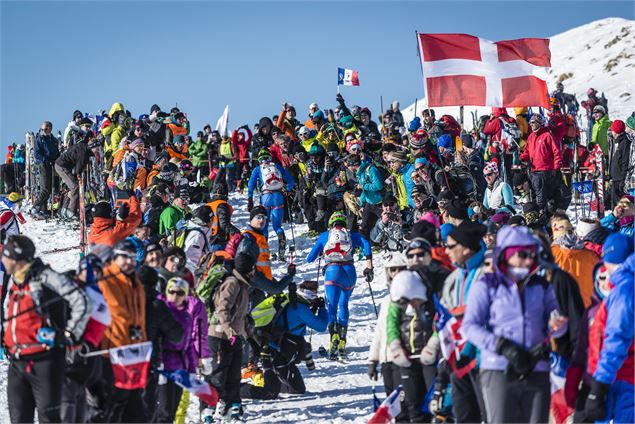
196	244
378	349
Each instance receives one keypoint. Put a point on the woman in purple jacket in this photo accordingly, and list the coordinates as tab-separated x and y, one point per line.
176	356
510	315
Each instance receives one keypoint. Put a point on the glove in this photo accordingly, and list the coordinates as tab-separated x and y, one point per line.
571	385
368	273
436	402
372	370
595	406
339	99
207	366
399	355
318	302
519	359
250	204
123	211
291	270
431	350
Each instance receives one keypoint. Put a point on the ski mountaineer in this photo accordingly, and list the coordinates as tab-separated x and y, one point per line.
271	178
338	246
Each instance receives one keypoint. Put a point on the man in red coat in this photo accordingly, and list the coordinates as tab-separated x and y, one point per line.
545	156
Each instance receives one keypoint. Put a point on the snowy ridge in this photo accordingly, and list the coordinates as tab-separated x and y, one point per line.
600	54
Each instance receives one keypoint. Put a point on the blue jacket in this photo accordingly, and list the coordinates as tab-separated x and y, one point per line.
619	328
18	156
612	223
356	238
256	178
406	176
369	178
301	317
46	148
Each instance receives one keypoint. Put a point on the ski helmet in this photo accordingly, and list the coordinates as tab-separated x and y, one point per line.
264	155
407	285
599	108
304	131
336	217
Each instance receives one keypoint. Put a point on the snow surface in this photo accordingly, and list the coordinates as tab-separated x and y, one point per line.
336	392
600	54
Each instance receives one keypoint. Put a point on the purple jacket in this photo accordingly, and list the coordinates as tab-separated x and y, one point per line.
180	355
197	311
495	308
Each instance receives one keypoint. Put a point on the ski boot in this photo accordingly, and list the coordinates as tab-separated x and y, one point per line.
235	413
341	348
207	416
335	341
219	412
282	245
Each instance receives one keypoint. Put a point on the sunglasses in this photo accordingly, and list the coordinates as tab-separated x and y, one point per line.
490	174
389	203
176	292
526	254
416	255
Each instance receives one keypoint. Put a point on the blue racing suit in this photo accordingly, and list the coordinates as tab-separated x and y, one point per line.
273	201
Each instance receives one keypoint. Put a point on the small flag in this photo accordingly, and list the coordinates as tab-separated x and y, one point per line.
222	125
583	187
130	365
194	385
347	77
100	318
389	408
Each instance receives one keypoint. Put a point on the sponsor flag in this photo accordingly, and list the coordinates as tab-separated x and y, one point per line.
464	70
222	125
130	365
99	319
389	408
347	77
194	385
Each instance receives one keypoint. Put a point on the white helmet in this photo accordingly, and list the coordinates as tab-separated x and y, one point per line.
407	285
313	106
304	131
395	259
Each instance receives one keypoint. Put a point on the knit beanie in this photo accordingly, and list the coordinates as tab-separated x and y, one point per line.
258	210
469	234
456	209
618	126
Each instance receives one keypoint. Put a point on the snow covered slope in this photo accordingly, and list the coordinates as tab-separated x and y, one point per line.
600	54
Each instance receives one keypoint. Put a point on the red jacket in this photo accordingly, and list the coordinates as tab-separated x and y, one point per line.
494	126
242	144
543	151
557	126
277	155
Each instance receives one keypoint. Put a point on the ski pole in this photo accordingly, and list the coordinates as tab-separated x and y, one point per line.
372	296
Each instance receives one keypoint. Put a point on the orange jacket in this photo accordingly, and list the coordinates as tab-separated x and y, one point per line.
285	126
118	156
154	172
174	154
105	231
214	205
126	300
579	263
264	258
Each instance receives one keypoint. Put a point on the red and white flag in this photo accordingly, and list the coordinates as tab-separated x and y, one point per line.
100	318
389	408
464	70
130	365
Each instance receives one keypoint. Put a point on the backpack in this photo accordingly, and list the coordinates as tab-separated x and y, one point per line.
271	177
339	246
570	123
179	235
266	314
511	133
210	275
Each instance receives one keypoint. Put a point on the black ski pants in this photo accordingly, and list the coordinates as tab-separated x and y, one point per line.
391	375
74	406
225	376
548	185
169	398
45	185
370	215
73	187
415	388
36	384
121	406
467	398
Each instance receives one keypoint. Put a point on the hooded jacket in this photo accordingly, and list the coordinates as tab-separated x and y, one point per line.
109	231
231	306
261	141
496	308
113	130
180	355
544	152
599	133
369	178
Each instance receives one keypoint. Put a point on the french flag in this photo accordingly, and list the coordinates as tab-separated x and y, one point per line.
389	409
347	77
100	318
194	385
464	70
130	365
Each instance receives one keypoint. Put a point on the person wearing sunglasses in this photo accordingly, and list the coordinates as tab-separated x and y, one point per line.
126	300
388	230
498	193
511	314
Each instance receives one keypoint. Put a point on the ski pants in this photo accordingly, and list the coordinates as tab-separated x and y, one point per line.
36	384
508	400
12	177
225	376
169	396
414	388
370	215
339	282
45	185
121	405
74	406
391	375
274	204
73	187
548	185
285	377
467	398
150	397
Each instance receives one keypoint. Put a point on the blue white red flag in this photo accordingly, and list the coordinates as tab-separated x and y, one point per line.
389	408
100	318
194	385
347	77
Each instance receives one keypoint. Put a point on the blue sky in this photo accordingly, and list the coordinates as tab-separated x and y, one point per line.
62	56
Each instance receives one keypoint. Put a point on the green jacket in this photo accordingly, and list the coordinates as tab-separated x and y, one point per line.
600	133
169	218
408	329
198	153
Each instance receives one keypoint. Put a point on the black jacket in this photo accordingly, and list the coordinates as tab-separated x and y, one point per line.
619	162
571	305
154	214
75	159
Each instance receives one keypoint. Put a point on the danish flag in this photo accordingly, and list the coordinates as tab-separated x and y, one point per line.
464	70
